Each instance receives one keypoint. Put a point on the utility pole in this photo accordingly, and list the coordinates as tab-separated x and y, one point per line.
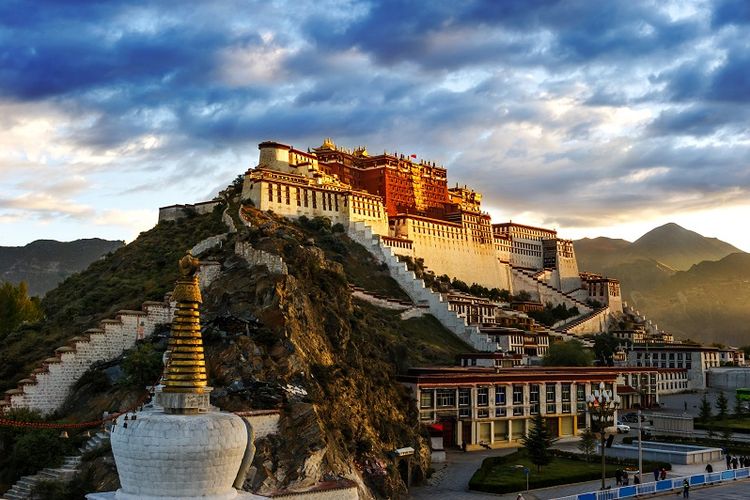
640	448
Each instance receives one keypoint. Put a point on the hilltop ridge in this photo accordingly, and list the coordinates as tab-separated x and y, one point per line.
43	264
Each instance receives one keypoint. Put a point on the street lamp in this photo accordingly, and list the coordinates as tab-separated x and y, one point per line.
602	405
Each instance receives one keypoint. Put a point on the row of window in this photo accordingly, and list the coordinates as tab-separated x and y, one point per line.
446	398
329	201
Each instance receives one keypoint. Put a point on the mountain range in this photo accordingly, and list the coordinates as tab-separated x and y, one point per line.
690	285
43	264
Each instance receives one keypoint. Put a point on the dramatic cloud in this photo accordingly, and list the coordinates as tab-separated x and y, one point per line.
588	116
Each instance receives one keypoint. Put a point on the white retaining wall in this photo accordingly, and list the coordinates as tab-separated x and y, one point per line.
417	291
543	292
50	383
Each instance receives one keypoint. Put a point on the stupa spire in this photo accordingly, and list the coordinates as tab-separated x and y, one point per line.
185	371
185	385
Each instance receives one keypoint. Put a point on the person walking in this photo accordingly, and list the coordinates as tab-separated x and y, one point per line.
729	460
656	473
618	477
625	480
735	462
709	468
637	479
663	474
685	489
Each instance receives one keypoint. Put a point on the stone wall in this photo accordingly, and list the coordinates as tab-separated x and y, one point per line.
48	386
263	422
174	212
539	290
253	257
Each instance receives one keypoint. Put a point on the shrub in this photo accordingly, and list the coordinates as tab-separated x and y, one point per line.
36	450
338	228
142	365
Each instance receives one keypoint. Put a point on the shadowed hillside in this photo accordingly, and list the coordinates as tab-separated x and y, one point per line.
43	264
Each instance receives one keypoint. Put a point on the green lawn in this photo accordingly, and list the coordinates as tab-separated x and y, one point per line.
498	475
738	424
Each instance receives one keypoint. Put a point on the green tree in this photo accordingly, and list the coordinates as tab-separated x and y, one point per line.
522	296
726	436
587	444
605	345
36	450
570	353
721	405
739	410
538	443
704	411
16	307
143	365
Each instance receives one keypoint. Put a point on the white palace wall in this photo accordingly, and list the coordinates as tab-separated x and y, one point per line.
448	249
292	196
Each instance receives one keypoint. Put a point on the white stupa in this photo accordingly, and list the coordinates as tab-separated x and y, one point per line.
183	448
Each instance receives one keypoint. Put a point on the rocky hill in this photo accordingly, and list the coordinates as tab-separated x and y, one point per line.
680	279
295	341
43	264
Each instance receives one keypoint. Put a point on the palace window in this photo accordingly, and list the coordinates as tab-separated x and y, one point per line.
534	399
464	397
296	192
305	195
314	199
551	398
483	396
287	196
278	193
517	394
270	192
426	398
565	398
446	398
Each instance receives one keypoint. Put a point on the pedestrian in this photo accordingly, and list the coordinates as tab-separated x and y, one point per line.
656	473
625	478
742	460
685	489
735	462
729	460
709	468
637	479
663	474
618	477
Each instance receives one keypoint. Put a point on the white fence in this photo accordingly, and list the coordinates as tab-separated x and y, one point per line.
665	486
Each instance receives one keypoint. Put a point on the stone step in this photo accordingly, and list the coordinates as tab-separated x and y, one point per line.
10	495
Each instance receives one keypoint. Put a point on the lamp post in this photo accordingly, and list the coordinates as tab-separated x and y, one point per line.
602	405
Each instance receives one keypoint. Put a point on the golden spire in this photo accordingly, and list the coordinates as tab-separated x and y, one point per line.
328	144
185	371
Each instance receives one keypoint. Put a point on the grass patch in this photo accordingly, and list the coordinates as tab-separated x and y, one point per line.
740	425
417	341
498	475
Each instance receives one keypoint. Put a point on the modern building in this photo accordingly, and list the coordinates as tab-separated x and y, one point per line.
493	408
695	359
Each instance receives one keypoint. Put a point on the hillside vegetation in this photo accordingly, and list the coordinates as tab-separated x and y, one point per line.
43	264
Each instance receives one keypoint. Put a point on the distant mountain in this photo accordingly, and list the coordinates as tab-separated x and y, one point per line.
678	247
683	281
708	303
43	264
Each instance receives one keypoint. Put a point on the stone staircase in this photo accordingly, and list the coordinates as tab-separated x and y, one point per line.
593	322
415	288
546	292
24	487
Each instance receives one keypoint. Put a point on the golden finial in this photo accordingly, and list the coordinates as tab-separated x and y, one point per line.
185	371
328	144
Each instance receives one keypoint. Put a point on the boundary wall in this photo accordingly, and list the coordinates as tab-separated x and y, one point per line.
47	387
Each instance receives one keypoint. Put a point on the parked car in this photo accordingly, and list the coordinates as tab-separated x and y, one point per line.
622	428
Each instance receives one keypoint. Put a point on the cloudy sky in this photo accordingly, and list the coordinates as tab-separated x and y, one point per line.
597	118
